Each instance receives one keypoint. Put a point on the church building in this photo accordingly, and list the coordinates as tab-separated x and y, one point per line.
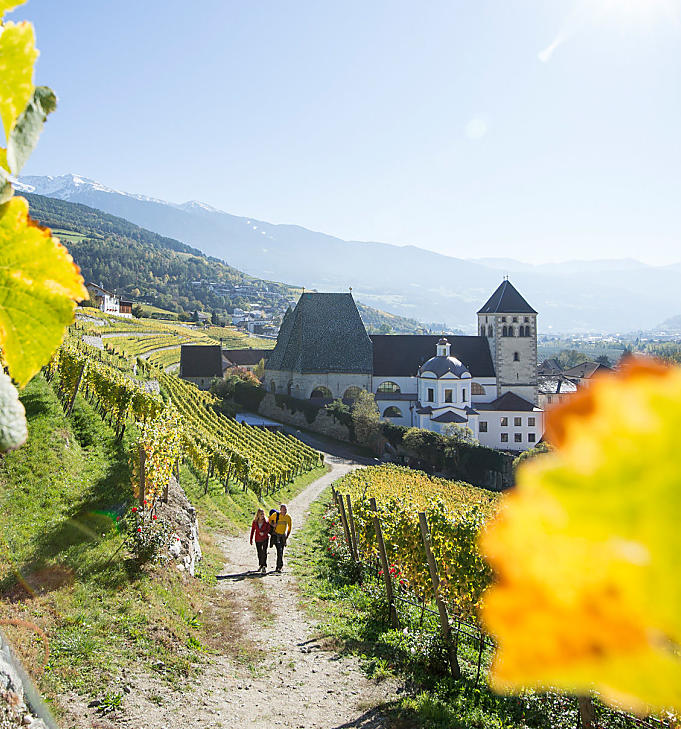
487	382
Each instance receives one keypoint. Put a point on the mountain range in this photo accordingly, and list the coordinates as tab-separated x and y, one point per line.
607	295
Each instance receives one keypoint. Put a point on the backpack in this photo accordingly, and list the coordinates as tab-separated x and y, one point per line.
273	511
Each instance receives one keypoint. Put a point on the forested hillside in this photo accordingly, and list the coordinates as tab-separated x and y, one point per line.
149	267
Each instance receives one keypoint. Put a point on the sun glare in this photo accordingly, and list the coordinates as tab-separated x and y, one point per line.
633	11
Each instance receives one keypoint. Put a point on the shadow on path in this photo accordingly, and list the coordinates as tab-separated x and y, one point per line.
371	719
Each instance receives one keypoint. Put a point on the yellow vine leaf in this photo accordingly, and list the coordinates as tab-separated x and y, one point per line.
7	5
39	286
17	56
586	549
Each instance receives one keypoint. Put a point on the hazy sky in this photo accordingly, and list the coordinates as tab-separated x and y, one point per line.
535	129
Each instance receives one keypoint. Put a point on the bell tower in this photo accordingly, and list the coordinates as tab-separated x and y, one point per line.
509	324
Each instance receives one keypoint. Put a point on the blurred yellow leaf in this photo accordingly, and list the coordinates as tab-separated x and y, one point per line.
7	5
17	56
39	285
586	549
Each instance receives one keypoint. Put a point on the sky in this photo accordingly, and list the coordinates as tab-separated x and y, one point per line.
539	130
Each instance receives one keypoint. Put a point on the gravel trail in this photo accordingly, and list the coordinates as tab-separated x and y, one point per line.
287	678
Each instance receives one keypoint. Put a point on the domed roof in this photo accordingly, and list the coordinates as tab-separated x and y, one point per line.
440	366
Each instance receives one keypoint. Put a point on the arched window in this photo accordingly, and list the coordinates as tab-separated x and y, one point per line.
321	392
482	330
516	357
490	331
388	387
527	330
273	386
504	331
289	387
477	389
511	331
352	393
464	394
392	412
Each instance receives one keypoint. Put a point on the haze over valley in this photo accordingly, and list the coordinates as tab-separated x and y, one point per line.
572	296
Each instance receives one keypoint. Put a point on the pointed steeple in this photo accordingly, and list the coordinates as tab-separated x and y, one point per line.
506	300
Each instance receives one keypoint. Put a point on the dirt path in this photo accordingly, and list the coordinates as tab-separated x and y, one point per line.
293	682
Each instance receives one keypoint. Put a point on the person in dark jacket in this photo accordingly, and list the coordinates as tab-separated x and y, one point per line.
260	529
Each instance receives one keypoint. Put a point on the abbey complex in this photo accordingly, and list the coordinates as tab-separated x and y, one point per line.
486	382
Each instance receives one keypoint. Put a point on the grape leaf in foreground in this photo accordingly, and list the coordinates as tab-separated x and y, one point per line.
17	56
586	549
39	286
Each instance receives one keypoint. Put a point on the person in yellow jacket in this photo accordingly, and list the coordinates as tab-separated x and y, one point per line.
280	528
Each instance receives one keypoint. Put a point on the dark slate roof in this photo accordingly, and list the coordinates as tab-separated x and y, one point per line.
586	369
508	401
506	300
324	333
550	367
401	355
197	360
449	417
440	366
244	357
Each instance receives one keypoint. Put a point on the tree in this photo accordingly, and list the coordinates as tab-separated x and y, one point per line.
571	357
459	434
137	311
366	419
259	369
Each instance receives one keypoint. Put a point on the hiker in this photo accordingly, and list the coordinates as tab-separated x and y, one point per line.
280	525
261	530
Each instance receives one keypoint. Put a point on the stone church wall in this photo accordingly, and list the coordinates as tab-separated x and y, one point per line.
324	424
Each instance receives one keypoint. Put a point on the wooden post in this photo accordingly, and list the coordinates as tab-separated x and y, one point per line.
353	531
384	563
209	471
587	712
441	607
142	475
75	392
346	529
481	645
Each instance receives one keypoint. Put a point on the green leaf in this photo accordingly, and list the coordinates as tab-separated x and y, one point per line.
6	190
7	5
17	56
29	125
13	431
39	285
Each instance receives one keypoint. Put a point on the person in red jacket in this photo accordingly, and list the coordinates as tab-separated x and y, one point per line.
260	529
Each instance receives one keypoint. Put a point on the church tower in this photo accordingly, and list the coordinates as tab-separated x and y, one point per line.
509	324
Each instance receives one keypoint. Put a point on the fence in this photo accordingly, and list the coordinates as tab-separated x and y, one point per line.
452	627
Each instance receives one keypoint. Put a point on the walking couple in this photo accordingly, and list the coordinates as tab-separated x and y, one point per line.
273	532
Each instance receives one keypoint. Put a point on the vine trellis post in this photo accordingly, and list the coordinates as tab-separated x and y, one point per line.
441	607
394	621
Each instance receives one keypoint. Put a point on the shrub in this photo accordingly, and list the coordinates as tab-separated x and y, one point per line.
146	535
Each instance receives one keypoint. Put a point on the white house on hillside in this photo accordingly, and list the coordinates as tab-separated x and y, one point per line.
108	302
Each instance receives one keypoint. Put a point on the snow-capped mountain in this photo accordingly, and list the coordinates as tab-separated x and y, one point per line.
413	282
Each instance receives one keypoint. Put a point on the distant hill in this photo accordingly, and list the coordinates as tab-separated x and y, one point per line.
573	296
162	271
671	325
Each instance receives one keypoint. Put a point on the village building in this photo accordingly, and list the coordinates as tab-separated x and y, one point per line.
108	302
554	389
247	359
201	364
487	382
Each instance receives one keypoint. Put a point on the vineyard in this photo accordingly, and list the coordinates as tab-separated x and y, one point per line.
455	512
187	428
418	537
